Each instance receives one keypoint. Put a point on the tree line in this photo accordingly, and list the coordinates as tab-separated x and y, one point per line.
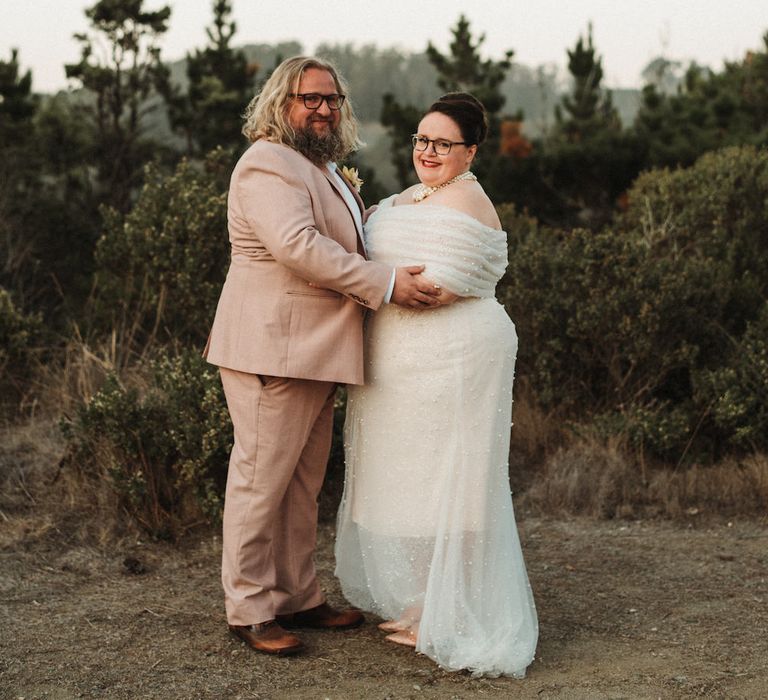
67	155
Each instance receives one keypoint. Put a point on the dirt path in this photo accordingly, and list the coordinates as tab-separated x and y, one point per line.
627	610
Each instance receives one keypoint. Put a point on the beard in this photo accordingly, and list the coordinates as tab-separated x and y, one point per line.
319	148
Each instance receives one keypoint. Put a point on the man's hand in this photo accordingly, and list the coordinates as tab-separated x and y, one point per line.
413	290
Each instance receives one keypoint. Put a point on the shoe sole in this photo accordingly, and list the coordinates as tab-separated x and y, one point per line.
286	651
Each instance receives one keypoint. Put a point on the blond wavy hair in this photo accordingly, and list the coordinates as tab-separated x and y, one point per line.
266	116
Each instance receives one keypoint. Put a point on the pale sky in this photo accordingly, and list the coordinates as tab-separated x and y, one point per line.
627	33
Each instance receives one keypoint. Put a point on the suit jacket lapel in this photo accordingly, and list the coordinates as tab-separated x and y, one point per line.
355	194
337	186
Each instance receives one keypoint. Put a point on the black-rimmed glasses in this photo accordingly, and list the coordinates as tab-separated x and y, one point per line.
442	146
313	100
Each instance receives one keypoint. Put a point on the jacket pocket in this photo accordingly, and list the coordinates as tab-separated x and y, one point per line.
320	294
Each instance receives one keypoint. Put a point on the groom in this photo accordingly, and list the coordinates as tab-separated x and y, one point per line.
288	328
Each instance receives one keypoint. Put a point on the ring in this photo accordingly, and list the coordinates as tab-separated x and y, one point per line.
437	287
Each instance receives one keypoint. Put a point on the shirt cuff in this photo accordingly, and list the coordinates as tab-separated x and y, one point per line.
390	288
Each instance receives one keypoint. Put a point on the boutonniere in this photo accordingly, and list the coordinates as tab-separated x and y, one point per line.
352	177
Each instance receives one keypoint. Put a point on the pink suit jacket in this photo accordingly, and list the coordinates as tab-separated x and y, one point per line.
289	225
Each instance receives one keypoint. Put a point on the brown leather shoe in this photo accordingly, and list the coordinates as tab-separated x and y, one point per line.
269	638
322	617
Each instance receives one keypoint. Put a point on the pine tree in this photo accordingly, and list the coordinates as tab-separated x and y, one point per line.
17	103
752	86
588	108
220	87
120	65
19	168
463	70
588	160
709	110
47	226
400	121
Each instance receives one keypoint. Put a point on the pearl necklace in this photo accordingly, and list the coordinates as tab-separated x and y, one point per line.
422	191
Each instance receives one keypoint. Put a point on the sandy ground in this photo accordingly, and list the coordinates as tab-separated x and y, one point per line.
627	610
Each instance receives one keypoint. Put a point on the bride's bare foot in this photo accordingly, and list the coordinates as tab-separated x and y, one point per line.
405	637
409	619
395	625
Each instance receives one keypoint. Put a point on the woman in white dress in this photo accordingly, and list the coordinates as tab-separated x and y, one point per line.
426	530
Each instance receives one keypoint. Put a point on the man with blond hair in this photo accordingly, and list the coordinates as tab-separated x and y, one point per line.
288	329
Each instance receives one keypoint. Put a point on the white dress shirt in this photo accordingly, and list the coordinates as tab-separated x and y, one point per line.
355	209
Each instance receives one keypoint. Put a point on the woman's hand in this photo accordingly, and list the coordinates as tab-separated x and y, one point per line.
445	297
441	295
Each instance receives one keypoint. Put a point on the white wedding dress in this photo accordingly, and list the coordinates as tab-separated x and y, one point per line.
426	521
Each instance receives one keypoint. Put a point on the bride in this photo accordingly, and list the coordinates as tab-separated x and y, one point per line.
426	530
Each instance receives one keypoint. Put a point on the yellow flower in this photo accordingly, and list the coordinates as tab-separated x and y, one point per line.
352	177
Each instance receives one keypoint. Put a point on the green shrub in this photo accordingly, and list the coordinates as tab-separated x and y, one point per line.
163	448
713	214
160	269
738	391
618	326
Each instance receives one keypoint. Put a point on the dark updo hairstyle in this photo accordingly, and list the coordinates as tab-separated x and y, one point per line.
468	113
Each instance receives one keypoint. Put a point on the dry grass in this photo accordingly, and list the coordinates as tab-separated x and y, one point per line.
39	497
557	471
28	459
730	487
534	433
36	486
602	480
78	370
86	498
584	479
